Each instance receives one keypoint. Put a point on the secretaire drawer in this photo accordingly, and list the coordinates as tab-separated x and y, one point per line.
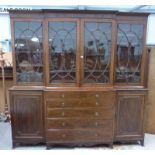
80	112
71	123
80	94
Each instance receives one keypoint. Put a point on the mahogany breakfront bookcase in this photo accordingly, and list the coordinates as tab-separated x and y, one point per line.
80	77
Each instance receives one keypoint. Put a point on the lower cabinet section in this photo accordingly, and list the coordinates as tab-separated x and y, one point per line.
130	116
78	118
27	117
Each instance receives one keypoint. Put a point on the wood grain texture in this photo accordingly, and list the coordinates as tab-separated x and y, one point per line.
81	112
82	103
83	135
130	114
72	123
27	116
150	117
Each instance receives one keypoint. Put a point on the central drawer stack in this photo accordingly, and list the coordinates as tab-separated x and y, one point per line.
80	117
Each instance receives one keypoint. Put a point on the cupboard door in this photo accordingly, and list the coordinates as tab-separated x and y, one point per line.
62	44
27	116
130	40
28	46
130	109
97	51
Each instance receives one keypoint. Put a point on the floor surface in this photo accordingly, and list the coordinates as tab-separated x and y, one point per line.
6	143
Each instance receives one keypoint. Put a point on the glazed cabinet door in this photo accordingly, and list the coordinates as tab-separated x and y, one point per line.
26	116
28	51
97	38
130	116
130	53
62	66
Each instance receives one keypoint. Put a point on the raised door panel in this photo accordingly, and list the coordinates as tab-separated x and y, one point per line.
27	119
129	116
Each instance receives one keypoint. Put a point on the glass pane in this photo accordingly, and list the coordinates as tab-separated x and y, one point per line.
29	52
97	50
62	52
129	53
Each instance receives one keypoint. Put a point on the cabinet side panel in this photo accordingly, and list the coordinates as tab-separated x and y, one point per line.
130	109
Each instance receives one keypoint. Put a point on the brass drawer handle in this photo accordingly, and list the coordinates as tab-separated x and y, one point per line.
63	124
96	114
97	103
63	135
96	135
63	104
62	114
96	124
97	95
62	95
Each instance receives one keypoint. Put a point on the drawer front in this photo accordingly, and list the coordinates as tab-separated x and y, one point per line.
80	135
89	112
77	123
83	102
80	94
62	103
62	94
98	95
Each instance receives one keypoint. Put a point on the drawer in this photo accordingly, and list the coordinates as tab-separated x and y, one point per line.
62	94
98	94
58	103
80	94
77	103
89	112
77	123
80	135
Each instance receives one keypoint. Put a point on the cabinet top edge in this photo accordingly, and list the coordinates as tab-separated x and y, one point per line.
26	88
44	88
44	11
